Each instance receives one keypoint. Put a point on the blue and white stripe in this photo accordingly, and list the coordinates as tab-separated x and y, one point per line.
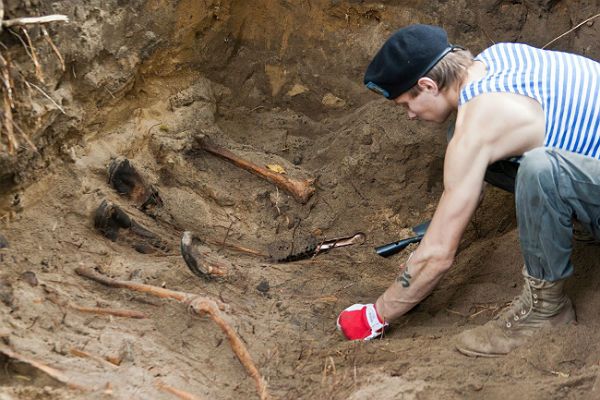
566	85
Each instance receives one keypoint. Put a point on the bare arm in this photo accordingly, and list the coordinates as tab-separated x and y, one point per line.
463	182
503	125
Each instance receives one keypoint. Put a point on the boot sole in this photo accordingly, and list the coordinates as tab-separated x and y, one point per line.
192	258
114	224
198	259
566	316
128	182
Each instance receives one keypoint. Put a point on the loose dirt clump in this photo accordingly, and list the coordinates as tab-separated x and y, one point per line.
278	84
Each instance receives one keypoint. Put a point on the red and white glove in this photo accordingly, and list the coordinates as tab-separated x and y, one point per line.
361	322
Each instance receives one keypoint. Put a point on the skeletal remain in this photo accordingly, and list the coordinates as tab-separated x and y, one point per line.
300	189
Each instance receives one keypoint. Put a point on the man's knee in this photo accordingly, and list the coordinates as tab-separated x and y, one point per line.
537	171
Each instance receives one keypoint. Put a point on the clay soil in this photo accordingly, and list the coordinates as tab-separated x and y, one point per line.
278	83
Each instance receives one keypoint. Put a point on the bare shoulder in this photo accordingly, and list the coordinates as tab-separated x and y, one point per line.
510	123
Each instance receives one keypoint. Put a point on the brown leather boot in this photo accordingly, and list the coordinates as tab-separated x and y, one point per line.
541	304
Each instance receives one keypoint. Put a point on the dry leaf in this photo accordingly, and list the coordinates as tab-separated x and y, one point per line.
276	168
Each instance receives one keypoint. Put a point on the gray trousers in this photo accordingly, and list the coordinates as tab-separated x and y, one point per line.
553	187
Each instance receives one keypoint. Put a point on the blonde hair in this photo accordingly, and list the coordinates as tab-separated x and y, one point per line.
450	69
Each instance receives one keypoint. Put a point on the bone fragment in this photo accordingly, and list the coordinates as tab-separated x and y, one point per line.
300	189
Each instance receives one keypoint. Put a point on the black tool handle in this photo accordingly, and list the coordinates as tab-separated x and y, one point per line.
392	248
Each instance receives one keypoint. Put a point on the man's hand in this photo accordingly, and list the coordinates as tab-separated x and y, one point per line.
361	322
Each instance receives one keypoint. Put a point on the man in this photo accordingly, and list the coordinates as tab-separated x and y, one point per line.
512	100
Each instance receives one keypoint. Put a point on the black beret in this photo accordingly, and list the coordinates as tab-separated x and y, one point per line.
405	57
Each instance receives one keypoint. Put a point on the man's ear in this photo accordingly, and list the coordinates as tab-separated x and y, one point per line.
428	84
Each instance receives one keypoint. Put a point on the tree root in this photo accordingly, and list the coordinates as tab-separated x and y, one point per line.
8	112
53	372
85	354
199	305
109	311
176	392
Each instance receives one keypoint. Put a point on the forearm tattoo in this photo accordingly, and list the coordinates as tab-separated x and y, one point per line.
404	278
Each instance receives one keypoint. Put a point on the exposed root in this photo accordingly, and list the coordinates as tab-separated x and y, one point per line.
33	54
5	65
8	105
571	30
98	359
35	20
199	305
12	143
480	308
25	137
45	95
238	248
53	372
7	119
54	48
109	311
176	392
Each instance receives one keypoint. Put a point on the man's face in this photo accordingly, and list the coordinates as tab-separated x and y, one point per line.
429	105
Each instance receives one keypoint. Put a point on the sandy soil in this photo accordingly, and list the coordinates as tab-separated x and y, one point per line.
278	83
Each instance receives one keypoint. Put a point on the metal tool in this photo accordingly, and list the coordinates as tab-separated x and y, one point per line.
390	249
326	245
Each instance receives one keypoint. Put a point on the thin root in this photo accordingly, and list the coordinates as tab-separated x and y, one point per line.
176	392
38	68
571	30
199	305
109	311
54	48
53	372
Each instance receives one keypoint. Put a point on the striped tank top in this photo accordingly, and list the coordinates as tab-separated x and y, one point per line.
566	85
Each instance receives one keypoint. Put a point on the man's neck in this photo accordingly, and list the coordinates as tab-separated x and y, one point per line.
475	71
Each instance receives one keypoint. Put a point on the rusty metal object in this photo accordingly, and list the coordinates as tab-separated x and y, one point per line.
313	248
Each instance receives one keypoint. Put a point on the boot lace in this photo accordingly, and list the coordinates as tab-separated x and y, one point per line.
519	308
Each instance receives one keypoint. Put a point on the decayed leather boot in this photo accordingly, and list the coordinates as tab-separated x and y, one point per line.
541	304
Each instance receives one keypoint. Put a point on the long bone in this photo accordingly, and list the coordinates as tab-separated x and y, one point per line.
300	189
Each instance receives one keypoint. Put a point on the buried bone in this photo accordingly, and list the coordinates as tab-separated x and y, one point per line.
300	189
